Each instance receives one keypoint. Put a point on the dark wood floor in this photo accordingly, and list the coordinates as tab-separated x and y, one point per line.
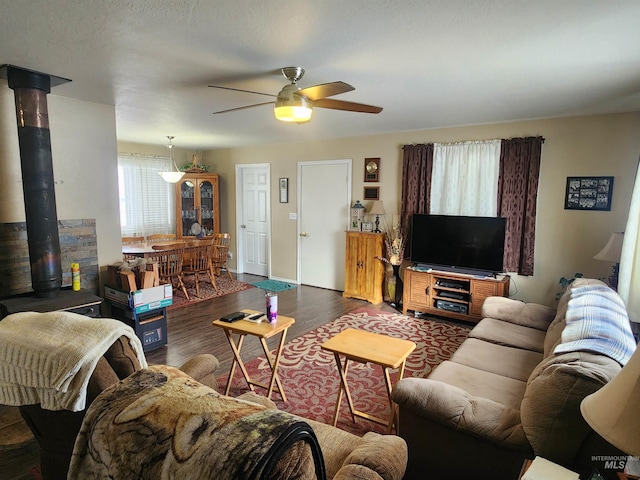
190	331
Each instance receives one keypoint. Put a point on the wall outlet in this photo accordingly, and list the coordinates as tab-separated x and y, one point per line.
230	255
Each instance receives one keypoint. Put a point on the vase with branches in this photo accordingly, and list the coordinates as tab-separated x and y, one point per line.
395	243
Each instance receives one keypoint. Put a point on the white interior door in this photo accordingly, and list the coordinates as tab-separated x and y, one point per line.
324	193
253	219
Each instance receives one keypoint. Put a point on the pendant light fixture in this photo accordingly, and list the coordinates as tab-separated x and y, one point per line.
171	176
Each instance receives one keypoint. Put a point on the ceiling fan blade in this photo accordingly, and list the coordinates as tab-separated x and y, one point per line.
348	106
324	90
242	108
241	90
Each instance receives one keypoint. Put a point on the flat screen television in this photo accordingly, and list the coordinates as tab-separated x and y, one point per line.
458	243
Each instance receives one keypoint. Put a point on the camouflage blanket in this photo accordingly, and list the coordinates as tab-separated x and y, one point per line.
159	423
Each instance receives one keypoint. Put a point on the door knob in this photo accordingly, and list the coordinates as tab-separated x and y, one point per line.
243	226
304	234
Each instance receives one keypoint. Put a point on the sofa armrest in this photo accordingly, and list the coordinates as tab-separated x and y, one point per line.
459	410
515	311
376	456
202	368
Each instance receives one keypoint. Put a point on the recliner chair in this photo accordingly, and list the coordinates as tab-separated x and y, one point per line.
56	431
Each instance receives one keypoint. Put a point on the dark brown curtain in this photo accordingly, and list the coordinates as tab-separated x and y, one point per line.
417	163
517	199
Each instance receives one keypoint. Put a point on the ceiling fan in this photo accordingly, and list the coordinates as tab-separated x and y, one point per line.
293	104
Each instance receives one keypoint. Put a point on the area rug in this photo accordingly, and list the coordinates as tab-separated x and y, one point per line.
225	287
310	377
274	285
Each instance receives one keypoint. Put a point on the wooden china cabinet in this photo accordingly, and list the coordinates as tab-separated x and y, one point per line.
197	205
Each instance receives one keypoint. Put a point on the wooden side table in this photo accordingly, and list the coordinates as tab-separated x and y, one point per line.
263	331
365	347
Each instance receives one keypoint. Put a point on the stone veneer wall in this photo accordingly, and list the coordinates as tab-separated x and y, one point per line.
78	243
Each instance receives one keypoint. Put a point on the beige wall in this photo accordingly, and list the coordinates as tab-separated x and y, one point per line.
566	239
83	148
84	152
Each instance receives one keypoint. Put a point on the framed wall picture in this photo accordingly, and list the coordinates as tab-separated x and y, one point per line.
371	169
284	190
372	193
588	193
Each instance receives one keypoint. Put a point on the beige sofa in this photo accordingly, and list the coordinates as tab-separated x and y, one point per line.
513	389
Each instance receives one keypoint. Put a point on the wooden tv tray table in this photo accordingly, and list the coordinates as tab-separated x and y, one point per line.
263	331
367	347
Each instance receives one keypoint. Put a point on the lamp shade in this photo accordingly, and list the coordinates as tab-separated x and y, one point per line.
612	411
612	250
171	177
377	208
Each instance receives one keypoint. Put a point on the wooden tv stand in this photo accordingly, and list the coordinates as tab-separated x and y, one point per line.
451	295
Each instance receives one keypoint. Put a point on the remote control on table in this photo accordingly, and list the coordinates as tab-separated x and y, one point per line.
256	317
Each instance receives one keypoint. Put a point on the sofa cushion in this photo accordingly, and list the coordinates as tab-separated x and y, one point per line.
509	334
515	311
550	409
499	359
478	383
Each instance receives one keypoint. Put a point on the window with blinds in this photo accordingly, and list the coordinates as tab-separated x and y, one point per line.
147	202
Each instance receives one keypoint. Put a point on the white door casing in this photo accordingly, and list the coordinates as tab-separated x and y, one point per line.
253	218
324	195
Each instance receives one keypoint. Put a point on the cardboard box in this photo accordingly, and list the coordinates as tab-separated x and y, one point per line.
142	300
150	298
116	295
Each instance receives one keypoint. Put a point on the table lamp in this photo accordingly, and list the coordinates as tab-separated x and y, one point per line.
611	253
612	411
377	209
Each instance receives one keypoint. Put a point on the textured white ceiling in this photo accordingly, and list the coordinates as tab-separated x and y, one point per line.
429	63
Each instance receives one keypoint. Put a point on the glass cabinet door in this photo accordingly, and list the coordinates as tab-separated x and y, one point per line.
206	207
188	206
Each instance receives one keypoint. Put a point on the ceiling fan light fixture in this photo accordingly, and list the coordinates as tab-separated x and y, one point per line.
171	176
292	107
296	113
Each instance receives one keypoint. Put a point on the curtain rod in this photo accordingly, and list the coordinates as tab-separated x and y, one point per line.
467	142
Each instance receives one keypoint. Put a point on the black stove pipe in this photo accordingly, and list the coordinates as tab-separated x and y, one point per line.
30	92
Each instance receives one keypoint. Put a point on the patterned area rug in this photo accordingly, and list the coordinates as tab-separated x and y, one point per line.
310	377
274	285
225	287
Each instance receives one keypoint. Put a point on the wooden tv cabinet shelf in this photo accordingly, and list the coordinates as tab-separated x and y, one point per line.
451	295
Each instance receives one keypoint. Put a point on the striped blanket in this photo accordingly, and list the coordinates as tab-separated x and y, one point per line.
597	321
48	358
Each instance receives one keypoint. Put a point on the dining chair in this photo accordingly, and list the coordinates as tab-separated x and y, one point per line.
220	253
161	237
132	240
170	260
198	255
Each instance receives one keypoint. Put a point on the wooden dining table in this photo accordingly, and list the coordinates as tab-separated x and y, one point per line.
145	250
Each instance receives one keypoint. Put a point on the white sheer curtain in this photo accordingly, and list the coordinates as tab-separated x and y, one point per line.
147	202
629	274
465	178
